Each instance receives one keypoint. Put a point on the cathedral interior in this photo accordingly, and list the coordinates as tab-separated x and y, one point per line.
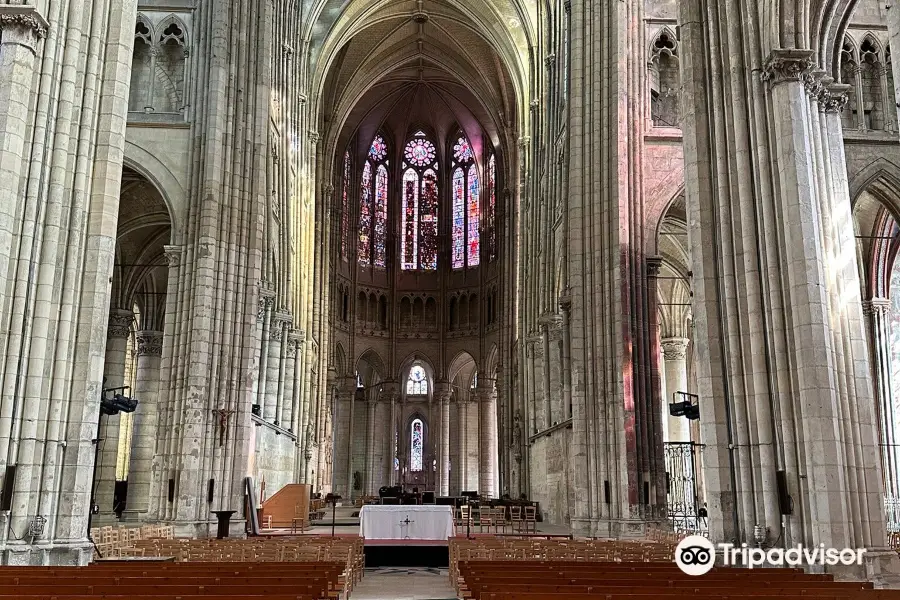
635	262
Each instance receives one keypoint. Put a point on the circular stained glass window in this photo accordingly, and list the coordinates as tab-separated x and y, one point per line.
419	152
379	149
462	151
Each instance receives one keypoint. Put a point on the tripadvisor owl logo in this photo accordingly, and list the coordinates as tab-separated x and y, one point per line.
695	555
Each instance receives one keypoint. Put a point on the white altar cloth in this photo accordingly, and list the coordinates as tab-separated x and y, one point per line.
426	522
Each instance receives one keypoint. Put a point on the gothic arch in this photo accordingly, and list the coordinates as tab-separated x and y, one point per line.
371	359
420	358
166	183
879	169
460	363
339	358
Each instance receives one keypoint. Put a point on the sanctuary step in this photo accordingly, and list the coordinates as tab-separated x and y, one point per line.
407	553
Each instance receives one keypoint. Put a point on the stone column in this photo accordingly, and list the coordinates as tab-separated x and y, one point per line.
370	444
893	24
274	367
391	393
291	394
674	350
120	321
487	441
860	106
21	28
442	398
878	312
146	424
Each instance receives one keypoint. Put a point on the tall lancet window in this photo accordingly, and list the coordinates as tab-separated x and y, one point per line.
466	195
373	201
345	208
491	208
419	208
416	445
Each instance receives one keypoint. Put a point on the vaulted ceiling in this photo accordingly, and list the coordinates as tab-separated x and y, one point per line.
415	62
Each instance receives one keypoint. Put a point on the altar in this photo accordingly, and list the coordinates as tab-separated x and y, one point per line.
406	522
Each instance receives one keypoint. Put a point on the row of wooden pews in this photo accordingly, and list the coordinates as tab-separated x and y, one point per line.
176	581
347	551
529	569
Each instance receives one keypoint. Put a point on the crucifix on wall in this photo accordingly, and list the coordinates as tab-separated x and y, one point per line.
223	414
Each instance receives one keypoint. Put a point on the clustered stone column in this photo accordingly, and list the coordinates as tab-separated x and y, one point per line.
146	423
21	28
487	439
370	442
442	398
117	336
674	351
878	311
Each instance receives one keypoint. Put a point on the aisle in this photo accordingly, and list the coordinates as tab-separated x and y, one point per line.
403	583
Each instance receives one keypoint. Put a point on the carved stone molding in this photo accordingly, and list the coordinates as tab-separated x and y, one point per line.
674	348
442	391
280	322
173	255
313	137
654	264
876	306
24	20
120	321
835	97
149	343
785	66
266	300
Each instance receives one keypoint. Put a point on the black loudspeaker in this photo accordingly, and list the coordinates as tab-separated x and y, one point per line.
785	503
607	492
171	490
6	493
209	490
256	409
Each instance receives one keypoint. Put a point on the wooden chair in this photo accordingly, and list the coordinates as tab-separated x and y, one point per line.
530	519
515	518
485	518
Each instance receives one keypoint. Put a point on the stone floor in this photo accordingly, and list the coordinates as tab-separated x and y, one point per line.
402	583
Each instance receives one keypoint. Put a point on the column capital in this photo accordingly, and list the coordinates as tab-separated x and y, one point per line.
390	391
280	321
149	343
266	299
442	390
674	348
654	263
173	255
835	97
24	19
876	306
120	321
787	65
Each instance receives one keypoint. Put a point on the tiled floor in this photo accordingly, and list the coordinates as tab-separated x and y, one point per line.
401	583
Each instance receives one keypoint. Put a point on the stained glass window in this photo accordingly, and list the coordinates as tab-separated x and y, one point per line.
466	201
419	152
364	249
419	206
492	208
417	383
373	206
345	208
416	446
462	151
473	218
410	219
428	222
381	203
378	149
459	219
